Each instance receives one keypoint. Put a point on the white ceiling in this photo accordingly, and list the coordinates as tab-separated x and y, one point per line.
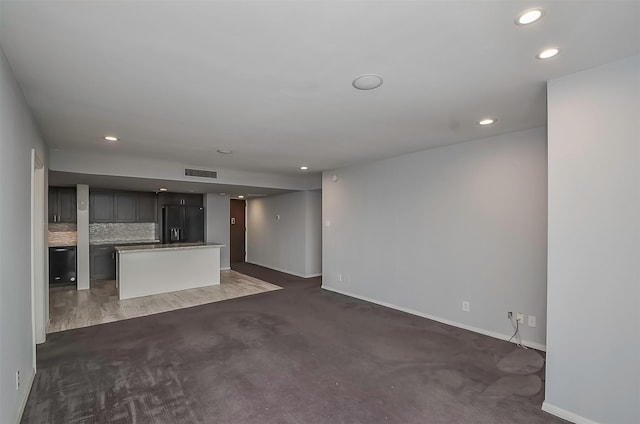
272	80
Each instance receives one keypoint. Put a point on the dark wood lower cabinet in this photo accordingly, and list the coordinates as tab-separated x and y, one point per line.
102	262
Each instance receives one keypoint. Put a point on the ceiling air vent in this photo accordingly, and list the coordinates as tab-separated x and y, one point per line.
200	173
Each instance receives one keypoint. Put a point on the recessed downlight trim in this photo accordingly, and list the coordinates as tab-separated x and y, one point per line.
484	122
163	189
529	16
548	53
367	81
224	151
241	197
304	168
111	138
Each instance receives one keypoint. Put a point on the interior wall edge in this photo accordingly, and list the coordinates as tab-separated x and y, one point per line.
286	271
23	404
482	331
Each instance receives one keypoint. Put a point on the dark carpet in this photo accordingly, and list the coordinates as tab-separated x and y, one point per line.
289	356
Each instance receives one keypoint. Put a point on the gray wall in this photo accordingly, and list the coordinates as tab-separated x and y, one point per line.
18	135
218	217
313	228
426	231
593	362
289	244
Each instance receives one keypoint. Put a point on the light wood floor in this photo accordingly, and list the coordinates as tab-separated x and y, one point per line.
70	308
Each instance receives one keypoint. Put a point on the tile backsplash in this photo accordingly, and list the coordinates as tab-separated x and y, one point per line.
62	238
140	231
61	227
61	234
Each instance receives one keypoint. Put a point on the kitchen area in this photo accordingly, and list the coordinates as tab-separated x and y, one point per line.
118	218
146	253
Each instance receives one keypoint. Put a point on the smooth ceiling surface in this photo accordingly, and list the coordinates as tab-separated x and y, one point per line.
272	80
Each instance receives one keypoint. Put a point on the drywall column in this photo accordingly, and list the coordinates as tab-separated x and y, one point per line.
82	252
217	210
593	356
313	233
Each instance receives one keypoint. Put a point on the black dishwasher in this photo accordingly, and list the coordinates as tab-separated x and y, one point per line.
62	265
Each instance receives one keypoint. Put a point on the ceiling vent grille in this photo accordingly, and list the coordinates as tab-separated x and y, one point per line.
200	173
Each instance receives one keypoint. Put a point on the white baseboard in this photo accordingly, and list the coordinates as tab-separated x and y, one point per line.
435	318
286	271
23	403
225	268
564	414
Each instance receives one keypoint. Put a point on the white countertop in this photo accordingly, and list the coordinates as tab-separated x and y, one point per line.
166	246
122	242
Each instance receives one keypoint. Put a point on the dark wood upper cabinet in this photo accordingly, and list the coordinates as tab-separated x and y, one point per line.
125	206
178	199
122	206
146	207
192	199
101	206
53	204
62	204
182	199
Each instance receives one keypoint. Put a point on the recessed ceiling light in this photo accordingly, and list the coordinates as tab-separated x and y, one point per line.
222	194
241	197
548	53
529	16
224	151
162	189
486	121
304	168
111	138
367	82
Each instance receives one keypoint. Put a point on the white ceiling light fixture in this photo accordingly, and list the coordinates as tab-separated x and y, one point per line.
222	194
367	82
304	168
486	121
241	197
224	151
529	16
111	138
548	53
162	189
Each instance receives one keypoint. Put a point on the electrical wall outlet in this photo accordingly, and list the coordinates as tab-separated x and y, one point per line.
466	306
520	317
18	380
509	315
532	321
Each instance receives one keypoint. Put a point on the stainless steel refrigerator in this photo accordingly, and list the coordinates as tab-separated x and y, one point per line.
182	224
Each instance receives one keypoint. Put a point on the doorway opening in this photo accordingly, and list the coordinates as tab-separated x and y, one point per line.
238	230
39	286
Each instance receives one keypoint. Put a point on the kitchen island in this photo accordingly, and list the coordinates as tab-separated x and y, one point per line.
148	269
